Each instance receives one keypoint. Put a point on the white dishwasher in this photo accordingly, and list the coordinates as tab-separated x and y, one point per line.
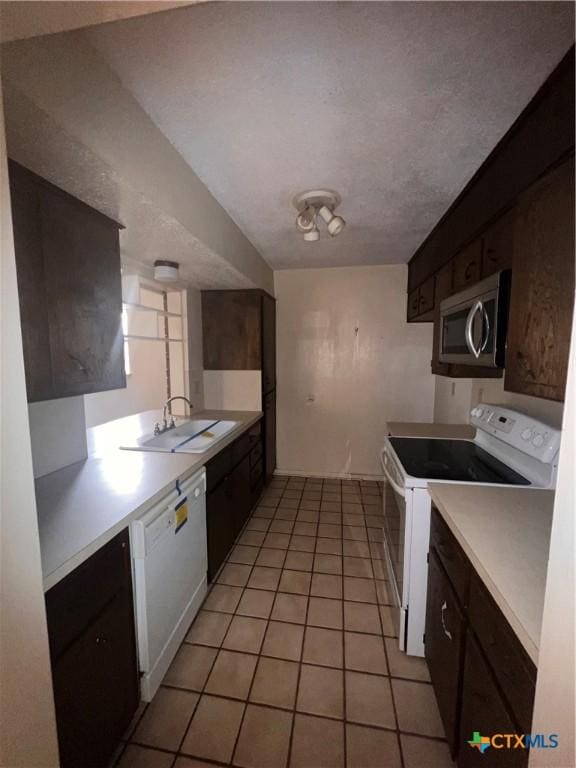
169	555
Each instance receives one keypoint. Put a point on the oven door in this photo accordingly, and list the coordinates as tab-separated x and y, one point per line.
397	518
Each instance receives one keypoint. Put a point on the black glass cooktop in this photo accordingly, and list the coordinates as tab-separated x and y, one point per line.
456	460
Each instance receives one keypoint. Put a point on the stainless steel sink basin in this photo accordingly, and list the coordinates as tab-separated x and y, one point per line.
194	436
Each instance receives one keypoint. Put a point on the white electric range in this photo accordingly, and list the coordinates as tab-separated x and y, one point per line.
509	449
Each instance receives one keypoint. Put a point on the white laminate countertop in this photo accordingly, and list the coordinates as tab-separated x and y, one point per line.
83	506
505	532
425	429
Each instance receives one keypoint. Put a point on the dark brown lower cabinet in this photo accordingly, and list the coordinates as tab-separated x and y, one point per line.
93	649
241	498
234	479
483	679
269	435
219	525
445	630
484	711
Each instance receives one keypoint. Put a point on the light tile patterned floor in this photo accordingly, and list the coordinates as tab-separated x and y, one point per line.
292	662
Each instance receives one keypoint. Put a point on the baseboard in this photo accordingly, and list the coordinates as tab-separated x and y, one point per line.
327	475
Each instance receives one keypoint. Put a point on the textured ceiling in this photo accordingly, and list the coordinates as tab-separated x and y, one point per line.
394	104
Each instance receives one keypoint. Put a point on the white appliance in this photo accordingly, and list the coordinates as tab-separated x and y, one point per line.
169	556
509	449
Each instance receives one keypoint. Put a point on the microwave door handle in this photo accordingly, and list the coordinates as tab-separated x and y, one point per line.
485	329
468	333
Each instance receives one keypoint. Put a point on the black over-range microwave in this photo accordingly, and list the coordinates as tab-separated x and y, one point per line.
474	323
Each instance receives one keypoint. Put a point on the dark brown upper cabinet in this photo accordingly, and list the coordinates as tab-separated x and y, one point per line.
70	290
542	296
239	333
498	245
467	266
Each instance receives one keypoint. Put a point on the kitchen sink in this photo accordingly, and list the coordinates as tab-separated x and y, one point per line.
194	436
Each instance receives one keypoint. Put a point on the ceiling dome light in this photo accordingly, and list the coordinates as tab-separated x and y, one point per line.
310	205
166	271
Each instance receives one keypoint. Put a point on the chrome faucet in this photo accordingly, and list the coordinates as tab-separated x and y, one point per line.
158	430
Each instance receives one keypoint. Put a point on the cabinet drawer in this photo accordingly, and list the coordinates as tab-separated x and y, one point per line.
450	554
73	603
467	265
413	303
256	473
484	711
240	448
217	468
512	667
256	453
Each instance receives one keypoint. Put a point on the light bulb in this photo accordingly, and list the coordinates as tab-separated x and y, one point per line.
306	220
312	236
334	224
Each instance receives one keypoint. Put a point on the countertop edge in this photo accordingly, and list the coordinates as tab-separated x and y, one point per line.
521	633
56	575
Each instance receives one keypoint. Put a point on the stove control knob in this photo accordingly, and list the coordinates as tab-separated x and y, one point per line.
526	435
477	412
538	441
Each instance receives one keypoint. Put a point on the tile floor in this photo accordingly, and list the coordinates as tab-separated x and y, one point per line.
292	661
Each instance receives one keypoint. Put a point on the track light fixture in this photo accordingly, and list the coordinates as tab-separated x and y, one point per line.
317	203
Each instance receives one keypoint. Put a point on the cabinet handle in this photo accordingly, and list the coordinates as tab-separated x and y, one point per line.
101	640
525	365
79	364
446	631
467	271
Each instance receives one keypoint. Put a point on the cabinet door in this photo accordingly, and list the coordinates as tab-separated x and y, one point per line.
542	295
413	300
426	299
268	343
240	496
84	292
219	525
96	687
484	711
231	330
269	436
31	283
444	647
467	265
443	289
498	245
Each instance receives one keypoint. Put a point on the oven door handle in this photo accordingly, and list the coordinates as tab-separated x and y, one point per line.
398	488
477	307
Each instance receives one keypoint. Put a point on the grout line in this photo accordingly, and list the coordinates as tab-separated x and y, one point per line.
301	663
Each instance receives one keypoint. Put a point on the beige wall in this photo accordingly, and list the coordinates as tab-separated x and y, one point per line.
233	390
554	708
27	730
454	399
347	362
